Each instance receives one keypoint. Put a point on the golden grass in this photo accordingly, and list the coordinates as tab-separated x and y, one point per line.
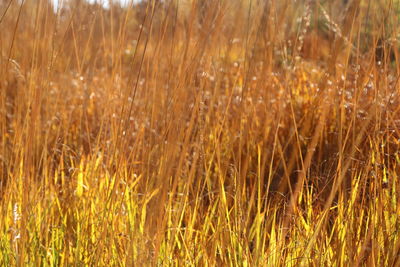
200	133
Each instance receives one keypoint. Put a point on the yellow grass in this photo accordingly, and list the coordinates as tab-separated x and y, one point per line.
200	133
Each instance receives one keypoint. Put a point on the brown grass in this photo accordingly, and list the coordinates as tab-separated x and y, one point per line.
220	133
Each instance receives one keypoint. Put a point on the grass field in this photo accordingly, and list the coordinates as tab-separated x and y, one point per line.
200	133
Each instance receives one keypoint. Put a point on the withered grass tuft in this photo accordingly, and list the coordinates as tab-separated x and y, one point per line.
200	133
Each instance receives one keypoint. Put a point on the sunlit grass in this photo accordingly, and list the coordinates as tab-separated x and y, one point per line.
217	133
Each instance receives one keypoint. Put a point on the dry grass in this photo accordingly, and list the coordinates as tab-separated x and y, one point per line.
218	133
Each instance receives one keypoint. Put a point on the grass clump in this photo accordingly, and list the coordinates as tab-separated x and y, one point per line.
237	133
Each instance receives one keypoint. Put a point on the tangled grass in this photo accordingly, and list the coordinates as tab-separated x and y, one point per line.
200	133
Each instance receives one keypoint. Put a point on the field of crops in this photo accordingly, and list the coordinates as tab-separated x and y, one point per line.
200	133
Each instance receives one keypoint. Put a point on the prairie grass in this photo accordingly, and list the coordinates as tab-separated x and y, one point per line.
200	133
